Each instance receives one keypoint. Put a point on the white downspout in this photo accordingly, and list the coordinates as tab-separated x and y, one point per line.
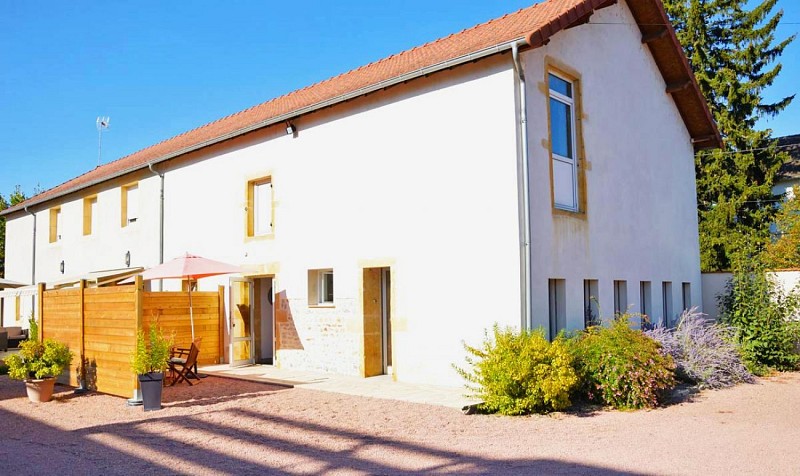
33	258
160	223
523	187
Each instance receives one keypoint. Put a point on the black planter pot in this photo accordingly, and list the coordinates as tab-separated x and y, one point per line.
151	385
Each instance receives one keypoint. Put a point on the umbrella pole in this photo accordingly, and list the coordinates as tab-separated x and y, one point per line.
191	312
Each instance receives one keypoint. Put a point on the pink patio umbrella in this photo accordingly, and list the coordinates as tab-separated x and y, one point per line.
189	267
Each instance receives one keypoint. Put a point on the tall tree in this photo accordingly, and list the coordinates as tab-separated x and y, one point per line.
17	196
733	52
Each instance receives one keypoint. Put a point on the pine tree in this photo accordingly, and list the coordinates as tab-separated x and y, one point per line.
733	52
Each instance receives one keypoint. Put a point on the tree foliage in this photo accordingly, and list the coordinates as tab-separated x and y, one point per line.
17	196
733	52
784	251
763	315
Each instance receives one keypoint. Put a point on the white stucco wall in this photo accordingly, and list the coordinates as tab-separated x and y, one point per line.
641	221
788	281
104	249
421	178
713	285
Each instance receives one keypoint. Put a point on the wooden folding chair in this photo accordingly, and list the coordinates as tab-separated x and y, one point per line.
183	363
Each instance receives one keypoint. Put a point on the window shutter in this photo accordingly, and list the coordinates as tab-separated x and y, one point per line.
263	208
133	203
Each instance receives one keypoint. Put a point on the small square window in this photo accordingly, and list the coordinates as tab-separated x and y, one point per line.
320	287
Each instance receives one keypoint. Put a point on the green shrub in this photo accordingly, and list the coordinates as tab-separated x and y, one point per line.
38	359
152	356
621	367
760	312
519	372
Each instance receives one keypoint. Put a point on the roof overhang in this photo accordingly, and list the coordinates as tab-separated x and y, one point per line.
657	33
7	284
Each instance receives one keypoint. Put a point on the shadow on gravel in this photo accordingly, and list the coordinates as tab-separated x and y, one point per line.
260	443
178	398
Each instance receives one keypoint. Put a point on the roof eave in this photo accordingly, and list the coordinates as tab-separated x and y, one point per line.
499	48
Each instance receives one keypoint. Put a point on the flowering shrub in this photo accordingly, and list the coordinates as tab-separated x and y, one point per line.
520	372
705	352
621	367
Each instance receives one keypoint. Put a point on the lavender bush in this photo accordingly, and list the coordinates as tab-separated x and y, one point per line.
705	352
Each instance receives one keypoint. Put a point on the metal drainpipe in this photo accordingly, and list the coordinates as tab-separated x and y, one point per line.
160	224
33	258
523	187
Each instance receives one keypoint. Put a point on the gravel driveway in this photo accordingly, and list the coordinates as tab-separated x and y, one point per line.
234	427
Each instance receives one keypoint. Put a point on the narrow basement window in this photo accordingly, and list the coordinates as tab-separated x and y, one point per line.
557	291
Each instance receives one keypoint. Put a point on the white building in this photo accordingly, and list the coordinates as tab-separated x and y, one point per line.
512	173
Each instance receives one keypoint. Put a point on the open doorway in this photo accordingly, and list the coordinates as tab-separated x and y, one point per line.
252	326
264	319
377	321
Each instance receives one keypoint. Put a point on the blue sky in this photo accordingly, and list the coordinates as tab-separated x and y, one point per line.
162	68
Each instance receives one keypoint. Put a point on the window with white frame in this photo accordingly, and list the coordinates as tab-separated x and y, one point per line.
563	143
260	213
326	287
320	287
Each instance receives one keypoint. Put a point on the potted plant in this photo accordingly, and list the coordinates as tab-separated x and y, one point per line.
38	363
149	362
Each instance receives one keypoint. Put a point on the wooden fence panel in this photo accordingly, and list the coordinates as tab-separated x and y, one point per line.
63	310
103	322
110	338
171	311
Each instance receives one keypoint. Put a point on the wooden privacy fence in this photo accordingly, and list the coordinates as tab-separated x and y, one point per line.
101	323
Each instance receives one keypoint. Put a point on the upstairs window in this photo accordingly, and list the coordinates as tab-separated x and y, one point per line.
130	204
563	142
89	207
55	224
259	207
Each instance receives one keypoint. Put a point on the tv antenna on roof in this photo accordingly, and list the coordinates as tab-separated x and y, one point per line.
102	124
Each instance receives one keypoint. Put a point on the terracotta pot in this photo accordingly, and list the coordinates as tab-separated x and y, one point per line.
40	390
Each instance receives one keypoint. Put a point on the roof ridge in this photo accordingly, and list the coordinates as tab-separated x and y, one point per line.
295	91
546	18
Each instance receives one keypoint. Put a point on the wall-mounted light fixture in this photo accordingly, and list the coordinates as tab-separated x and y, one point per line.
290	128
61	266
127	259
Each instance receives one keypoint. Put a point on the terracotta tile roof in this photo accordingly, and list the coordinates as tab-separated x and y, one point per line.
536	24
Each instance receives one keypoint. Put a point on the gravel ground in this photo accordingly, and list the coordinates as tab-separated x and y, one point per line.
234	427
